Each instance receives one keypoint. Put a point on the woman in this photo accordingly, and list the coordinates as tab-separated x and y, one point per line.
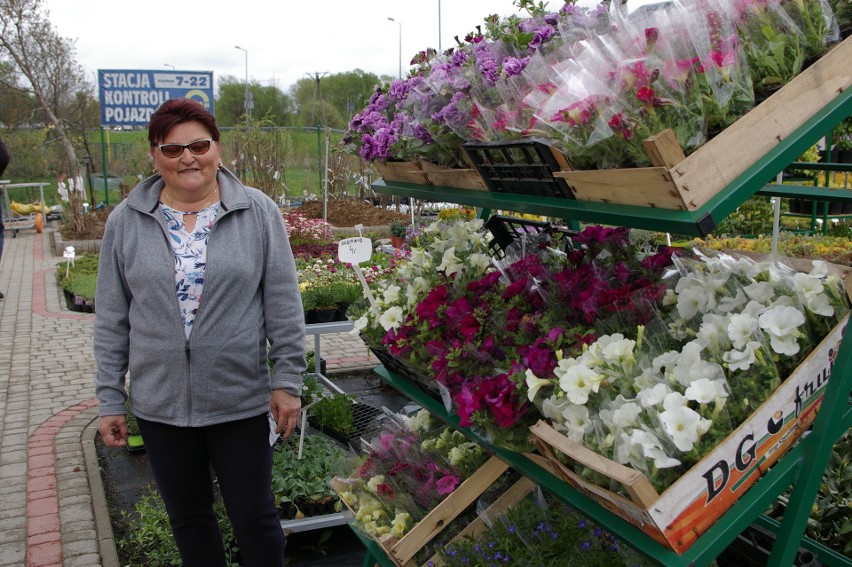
196	289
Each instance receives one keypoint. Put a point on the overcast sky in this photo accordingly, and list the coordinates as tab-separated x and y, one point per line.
286	40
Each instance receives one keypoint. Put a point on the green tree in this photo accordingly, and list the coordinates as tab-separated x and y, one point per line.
269	102
332	100
46	64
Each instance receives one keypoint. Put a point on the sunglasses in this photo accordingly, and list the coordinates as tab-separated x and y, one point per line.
198	147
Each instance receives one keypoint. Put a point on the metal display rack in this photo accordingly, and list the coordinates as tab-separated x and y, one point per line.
802	467
327	520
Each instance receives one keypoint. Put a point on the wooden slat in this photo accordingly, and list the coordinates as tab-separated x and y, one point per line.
663	149
721	160
447	510
635	483
508	499
642	186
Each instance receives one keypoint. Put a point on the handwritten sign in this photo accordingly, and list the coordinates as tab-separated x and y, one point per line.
355	250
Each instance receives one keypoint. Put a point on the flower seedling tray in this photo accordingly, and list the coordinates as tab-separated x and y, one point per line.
524	167
687	183
684	511
365	421
403	550
426	173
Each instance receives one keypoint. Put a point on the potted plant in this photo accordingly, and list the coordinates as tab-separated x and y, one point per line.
398	229
841	137
320	303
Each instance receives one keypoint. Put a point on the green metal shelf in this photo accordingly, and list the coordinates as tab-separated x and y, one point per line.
802	467
691	223
830	423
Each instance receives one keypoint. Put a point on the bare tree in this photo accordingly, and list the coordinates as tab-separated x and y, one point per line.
47	64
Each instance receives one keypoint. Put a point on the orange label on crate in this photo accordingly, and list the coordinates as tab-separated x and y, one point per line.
723	476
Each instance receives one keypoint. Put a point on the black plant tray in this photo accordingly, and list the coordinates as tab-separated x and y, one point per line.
506	230
364	420
523	167
422	381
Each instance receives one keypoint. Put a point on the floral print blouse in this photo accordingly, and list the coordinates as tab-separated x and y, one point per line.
190	258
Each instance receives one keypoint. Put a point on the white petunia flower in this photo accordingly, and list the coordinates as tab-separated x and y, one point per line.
762	292
391	294
782	323
692	301
705	391
627	415
742	359
534	384
729	304
654	396
681	424
479	261
391	319
577	422
741	329
359	324
578	382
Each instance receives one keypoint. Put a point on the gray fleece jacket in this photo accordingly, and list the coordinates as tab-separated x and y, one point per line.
251	309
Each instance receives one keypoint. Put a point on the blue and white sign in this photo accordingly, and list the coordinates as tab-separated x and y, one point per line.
130	96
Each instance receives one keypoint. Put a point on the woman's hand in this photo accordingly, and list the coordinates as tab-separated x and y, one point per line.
285	410
113	430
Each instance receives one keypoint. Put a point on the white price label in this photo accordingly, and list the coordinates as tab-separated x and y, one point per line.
354	250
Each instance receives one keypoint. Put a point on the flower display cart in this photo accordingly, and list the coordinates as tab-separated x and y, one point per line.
779	133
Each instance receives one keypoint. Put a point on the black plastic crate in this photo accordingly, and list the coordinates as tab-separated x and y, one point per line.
424	382
506	230
522	167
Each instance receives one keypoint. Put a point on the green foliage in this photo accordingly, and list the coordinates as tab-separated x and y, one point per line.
257	154
306	479
830	521
832	249
398	228
841	136
335	412
311	388
319	297
753	217
148	539
82	277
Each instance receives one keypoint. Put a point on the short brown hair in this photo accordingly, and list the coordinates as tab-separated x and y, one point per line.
177	111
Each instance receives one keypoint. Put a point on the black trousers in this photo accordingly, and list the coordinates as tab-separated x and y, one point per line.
240	455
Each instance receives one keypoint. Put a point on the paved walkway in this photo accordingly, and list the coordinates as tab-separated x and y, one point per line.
52	507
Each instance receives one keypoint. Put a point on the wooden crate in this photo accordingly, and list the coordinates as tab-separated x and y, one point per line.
684	511
687	183
402	551
402	171
426	173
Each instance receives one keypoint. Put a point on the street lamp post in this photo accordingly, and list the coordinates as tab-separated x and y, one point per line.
439	27
247	98
400	44
172	67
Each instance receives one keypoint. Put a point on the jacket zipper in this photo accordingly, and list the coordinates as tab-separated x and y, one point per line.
188	354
